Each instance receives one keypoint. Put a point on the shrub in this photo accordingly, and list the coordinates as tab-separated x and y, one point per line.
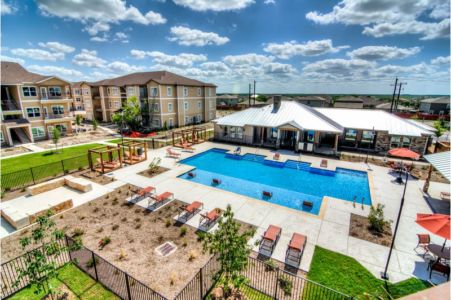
286	285
160	239
270	265
99	230
173	278
376	218
115	226
168	223
192	255
96	209
183	231
137	220
77	232
200	236
90	262
104	241
184	244
122	255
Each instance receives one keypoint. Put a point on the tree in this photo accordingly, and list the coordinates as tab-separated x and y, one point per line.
56	135
78	121
130	114
376	218
42	247
95	124
261	98
232	249
440	126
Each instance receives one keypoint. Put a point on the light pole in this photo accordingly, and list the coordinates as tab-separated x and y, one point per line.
384	274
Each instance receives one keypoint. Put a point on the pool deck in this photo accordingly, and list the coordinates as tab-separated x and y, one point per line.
329	229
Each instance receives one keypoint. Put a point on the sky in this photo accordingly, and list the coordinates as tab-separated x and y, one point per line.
286	46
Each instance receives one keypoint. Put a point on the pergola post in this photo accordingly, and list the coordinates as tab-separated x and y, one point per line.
101	162
173	139
428	179
119	153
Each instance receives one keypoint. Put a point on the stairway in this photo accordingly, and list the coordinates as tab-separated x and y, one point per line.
21	135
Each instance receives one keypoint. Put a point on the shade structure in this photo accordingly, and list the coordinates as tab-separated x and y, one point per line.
435	223
404	153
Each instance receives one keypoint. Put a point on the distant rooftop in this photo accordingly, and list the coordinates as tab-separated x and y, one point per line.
441	100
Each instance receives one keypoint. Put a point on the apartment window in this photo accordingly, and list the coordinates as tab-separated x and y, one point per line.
77	91
395	141
85	91
153	92
171	123
367	136
113	91
29	91
212	115
61	127
170	107
169	91
79	107
131	90
185	92
199	92
38	132
117	104
55	91
351	135
406	141
187	119
156	123
199	104
78	99
33	112
186	105
156	107
67	91
236	132
199	118
58	110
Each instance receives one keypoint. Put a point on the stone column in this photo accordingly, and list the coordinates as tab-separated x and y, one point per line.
428	179
278	139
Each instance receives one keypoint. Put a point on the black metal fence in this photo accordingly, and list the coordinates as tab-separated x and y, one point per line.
34	175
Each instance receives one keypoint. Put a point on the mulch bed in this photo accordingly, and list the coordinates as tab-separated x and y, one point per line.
95	177
149	174
360	228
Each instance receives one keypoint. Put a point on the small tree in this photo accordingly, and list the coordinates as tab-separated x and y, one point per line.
95	124
42	247
232	249
154	165
78	121
56	135
130	114
376	218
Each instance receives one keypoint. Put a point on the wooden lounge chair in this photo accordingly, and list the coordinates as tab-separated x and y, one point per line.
296	247
191	209
187	147
276	156
161	199
445	196
270	238
323	163
171	153
423	242
211	217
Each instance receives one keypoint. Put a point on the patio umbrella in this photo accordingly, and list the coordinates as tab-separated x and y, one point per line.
438	224
403	153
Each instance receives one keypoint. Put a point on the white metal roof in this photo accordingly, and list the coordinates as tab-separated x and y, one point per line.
366	119
441	161
422	125
289	112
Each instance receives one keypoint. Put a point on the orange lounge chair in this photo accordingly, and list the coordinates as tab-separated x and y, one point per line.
445	196
173	154
188	148
296	247
161	199
191	209
276	156
323	163
147	190
270	238
210	217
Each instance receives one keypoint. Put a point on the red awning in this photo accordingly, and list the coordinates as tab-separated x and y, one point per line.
404	153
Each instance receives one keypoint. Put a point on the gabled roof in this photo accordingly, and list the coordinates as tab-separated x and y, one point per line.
141	78
289	112
441	100
14	73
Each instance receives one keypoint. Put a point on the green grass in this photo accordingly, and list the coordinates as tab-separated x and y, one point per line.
348	276
83	286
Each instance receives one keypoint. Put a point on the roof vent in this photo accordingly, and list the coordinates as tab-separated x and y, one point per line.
277	100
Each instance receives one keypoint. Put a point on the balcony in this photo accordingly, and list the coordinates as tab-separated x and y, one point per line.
10	107
78	111
63	98
52	118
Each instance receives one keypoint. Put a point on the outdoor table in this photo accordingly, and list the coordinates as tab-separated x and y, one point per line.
437	251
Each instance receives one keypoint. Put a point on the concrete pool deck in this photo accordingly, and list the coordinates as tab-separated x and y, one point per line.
329	229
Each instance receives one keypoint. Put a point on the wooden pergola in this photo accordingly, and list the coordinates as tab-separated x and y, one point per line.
195	135
133	151
112	161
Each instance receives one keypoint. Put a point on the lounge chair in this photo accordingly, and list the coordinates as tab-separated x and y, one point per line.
323	163
270	238
173	154
440	268
191	174
445	196
191	209
276	156
187	147
296	247
237	151
423	242
147	191
211	217
267	194
307	203
161	199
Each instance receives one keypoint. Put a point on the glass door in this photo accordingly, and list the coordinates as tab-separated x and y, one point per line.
44	94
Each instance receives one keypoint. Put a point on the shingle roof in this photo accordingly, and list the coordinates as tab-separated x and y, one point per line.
351	99
161	77
441	100
14	73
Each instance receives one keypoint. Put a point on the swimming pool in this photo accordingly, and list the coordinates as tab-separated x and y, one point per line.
291	182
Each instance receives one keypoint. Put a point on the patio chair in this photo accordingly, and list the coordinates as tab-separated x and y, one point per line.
147	191
191	209
276	156
270	238
423	242
439	268
237	151
445	196
323	163
161	199
296	247
171	153
211	217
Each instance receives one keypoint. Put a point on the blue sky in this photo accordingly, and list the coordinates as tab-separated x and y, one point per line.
353	46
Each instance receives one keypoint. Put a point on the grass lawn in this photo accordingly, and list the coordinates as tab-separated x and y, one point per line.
83	286
346	275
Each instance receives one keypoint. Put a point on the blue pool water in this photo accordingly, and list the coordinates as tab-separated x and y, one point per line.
291	182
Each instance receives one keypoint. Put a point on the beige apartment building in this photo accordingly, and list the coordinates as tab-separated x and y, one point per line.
82	100
32	105
167	99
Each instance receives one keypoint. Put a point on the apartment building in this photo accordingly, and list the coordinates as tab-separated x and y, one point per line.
32	105
82	104
167	99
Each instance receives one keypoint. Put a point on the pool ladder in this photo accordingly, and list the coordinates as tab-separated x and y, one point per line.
354	200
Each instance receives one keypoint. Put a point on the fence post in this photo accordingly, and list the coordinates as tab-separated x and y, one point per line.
128	287
95	265
201	280
62	164
153	143
32	175
68	247
277	283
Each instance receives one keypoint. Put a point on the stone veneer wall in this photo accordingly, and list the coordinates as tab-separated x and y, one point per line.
382	141
418	144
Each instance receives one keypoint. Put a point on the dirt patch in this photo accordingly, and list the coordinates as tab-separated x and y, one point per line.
6	196
360	228
95	177
8	151
149	174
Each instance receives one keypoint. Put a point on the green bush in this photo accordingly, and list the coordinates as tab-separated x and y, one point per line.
376	218
286	285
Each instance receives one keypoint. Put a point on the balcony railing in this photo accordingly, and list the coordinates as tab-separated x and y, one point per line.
57	116
9	105
44	96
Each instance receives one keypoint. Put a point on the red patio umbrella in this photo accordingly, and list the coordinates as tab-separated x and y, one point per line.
436	223
404	153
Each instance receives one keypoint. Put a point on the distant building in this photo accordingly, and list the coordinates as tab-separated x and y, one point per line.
82	104
435	106
226	100
314	101
401	108
348	102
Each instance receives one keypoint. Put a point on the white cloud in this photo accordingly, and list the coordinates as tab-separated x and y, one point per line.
440	60
54	70
385	17
193	37
338	67
7	8
122	67
38	54
121	37
99	39
247	59
382	52
214	5
12	59
98	14
57	47
179	60
279	70
311	48
89	59
215	66
269	2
